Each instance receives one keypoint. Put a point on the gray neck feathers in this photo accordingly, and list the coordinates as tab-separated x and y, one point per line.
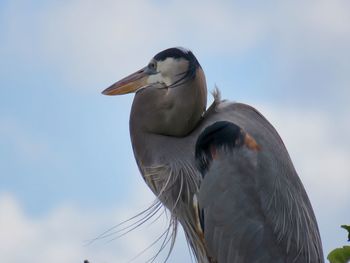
163	132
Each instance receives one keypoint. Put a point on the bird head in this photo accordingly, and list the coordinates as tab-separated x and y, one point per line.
170	92
169	68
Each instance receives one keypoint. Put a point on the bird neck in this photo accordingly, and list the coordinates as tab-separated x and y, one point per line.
167	164
172	111
151	149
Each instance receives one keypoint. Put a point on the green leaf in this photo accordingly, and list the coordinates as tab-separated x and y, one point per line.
340	255
348	229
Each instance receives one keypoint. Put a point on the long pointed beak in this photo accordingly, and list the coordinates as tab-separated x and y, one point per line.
128	84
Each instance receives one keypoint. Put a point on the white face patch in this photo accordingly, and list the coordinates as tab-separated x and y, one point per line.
157	78
169	71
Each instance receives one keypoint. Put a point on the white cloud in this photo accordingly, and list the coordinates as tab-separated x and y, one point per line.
117	37
60	235
94	42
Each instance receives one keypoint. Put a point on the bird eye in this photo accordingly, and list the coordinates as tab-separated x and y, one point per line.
152	65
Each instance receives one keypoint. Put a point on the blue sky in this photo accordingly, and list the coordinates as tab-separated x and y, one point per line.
67	171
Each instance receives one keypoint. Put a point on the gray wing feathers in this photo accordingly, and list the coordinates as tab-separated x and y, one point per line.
234	224
255	201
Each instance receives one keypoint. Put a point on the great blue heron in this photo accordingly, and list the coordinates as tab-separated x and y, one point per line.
222	172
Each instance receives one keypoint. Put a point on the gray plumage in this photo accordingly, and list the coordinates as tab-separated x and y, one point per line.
248	204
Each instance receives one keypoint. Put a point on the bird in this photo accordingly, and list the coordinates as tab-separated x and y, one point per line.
223	172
